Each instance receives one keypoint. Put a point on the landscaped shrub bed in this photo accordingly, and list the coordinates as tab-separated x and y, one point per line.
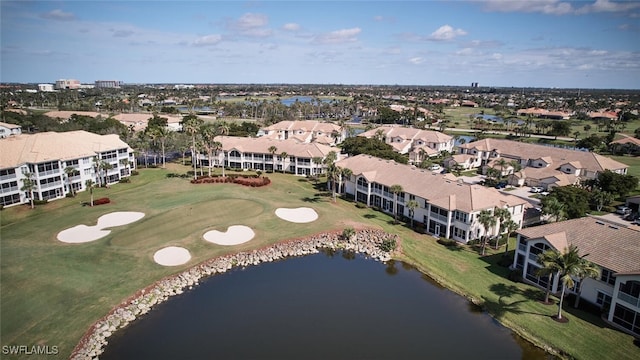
253	181
101	201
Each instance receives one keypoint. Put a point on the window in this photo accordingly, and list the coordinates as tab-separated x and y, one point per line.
50	166
10	199
460	216
627	318
603	300
8	172
607	277
72	162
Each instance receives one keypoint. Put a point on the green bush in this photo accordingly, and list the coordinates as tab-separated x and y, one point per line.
134	172
360	205
40	202
447	242
125	180
388	245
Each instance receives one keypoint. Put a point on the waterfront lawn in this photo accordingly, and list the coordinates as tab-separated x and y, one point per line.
52	292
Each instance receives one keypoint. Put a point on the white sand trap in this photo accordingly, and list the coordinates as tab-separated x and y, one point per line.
83	233
172	256
236	234
297	215
119	218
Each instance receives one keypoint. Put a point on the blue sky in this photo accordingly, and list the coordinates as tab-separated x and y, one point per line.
545	43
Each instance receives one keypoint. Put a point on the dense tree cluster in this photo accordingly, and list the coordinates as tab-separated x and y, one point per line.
361	145
31	123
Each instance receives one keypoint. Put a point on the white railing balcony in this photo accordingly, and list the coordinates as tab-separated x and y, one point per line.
629	299
8	177
9	190
50	185
42	174
363	189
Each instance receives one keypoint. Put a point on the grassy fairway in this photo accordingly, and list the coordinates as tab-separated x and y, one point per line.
52	292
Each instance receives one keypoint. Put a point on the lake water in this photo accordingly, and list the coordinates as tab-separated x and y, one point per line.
323	306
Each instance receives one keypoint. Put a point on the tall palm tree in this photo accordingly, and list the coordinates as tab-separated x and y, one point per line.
161	134
272	150
503	215
345	173
283	156
568	265
104	167
548	260
90	185
222	129
509	226
412	205
588	269
208	133
317	160
29	184
502	163
191	125
488	221
395	189
70	172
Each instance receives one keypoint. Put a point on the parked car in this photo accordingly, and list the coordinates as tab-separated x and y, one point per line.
536	189
501	185
623	210
434	167
631	216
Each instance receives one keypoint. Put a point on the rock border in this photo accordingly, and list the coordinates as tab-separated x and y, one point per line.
91	345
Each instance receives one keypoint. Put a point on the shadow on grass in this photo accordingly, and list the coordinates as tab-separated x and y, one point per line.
311	199
370	216
503	305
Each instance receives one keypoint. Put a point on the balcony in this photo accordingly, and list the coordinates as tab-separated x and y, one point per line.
9	190
50	185
8	177
629	299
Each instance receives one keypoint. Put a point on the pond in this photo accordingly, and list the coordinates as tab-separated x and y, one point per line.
332	305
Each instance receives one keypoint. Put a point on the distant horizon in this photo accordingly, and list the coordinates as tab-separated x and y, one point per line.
588	44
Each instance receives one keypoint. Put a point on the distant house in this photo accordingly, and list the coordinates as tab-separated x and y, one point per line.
541	165
305	132
419	144
9	130
611	246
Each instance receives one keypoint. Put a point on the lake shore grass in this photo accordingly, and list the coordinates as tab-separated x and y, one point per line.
52	292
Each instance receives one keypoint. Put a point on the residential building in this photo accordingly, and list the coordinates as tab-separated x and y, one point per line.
9	130
305	131
108	84
45	87
253	153
611	246
541	165
67	84
46	156
447	208
419	144
543	113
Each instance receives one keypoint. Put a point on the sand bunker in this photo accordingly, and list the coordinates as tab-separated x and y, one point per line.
172	256
83	233
297	215
236	234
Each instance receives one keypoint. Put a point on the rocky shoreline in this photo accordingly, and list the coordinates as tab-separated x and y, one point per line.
366	241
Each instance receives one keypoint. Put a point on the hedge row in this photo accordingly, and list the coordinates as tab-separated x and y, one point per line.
246	181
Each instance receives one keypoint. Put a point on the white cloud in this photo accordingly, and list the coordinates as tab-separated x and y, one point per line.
122	33
59	15
446	32
558	7
252	25
291	27
339	36
496	56
609	6
416	60
465	52
208	40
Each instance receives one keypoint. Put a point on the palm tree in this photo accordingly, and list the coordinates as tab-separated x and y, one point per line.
70	171
412	205
345	173
503	215
283	156
90	184
28	184
104	167
208	134
317	160
395	189
161	134
272	150
502	163
567	265
124	162
488	221
552	206
588	270
222	129
191	124
548	259
509	226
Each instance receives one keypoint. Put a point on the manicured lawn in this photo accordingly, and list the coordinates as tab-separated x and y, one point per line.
52	292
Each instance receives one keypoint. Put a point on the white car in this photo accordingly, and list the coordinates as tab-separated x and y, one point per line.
434	167
536	189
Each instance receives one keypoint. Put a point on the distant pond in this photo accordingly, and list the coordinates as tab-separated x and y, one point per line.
324	306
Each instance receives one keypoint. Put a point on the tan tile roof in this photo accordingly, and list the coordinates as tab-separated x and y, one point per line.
67	114
409	133
308	125
436	188
627	140
261	145
49	146
590	161
10	126
610	245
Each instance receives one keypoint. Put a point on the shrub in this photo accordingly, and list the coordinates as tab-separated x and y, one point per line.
135	172
447	242
40	202
360	205
515	276
388	245
348	233
125	180
101	201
